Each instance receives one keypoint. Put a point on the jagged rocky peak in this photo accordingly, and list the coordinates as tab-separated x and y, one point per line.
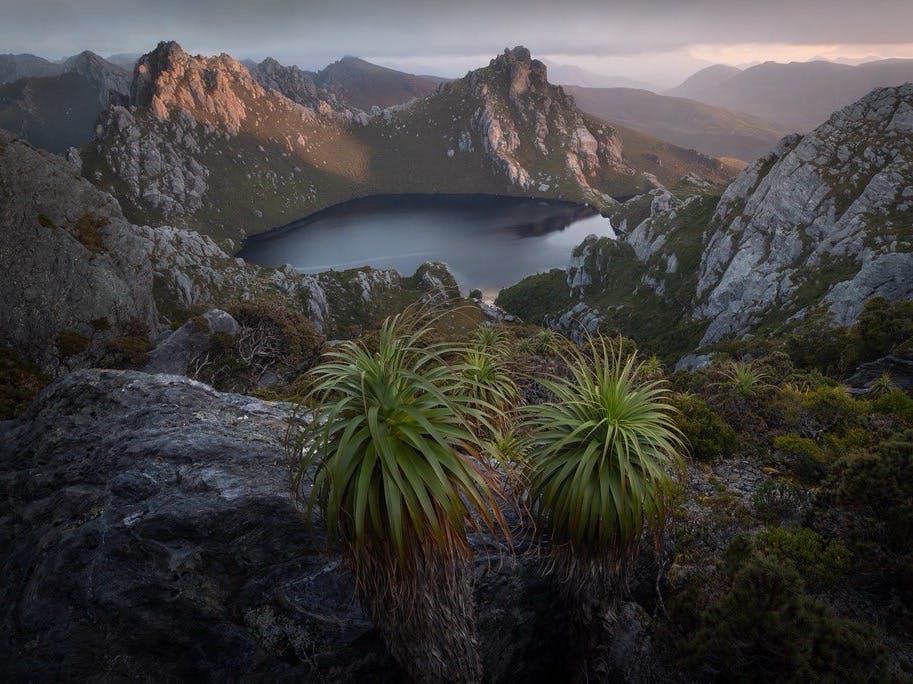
525	73
296	84
213	89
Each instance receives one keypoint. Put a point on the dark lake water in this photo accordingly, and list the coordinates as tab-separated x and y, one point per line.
488	242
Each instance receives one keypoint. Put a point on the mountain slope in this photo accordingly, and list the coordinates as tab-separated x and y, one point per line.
57	112
207	147
704	81
363	85
82	284
798	94
826	217
14	67
688	123
824	222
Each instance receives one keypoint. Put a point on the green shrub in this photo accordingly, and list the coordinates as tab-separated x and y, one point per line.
777	500
880	328
101	324
547	342
475	294
801	455
284	333
763	628
894	403
827	409
818	562
881	485
709	436
89	231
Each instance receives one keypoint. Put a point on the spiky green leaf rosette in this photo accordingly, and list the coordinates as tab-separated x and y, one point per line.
600	465
400	483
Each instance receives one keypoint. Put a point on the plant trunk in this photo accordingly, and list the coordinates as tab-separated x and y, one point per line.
427	618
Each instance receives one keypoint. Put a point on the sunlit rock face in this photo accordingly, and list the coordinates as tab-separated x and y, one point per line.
205	144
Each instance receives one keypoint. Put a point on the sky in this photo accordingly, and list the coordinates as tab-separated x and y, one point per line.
657	41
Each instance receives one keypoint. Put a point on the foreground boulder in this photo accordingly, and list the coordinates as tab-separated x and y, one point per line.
148	531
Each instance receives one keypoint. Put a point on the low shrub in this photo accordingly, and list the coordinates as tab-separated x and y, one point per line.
709	436
801	455
894	403
90	232
818	562
778	500
762	627
20	382
131	348
70	343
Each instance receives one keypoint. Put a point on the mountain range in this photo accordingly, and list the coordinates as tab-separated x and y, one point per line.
799	94
203	145
815	228
692	124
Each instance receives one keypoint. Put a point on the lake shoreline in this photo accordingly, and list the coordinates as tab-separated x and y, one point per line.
357	202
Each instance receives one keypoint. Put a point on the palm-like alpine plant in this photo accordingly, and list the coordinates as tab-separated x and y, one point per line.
399	484
485	380
600	464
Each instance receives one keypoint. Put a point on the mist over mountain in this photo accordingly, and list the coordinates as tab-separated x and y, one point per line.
570	75
709	129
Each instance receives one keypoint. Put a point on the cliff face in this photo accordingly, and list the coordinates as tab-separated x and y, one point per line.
204	145
828	216
296	84
75	274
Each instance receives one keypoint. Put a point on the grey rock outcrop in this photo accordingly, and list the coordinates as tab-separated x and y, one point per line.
149	532
898	367
825	215
111	81
296	84
69	262
174	354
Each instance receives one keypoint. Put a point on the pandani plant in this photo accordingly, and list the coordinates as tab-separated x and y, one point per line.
400	479
600	469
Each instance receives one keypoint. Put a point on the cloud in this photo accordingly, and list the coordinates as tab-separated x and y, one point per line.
452	34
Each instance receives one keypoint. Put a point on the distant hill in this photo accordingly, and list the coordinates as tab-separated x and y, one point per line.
708	129
363	85
348	84
125	60
704	81
14	67
801	95
60	111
